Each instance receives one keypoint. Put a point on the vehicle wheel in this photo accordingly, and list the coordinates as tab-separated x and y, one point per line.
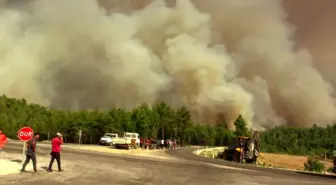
236	156
225	155
229	155
252	161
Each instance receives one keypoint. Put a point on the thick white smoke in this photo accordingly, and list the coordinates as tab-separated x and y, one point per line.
220	58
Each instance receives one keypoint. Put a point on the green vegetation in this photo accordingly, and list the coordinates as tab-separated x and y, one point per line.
155	122
315	141
330	170
241	129
314	165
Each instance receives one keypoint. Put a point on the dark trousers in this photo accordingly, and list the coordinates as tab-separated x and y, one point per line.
57	156
29	156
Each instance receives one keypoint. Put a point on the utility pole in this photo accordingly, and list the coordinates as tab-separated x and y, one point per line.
49	135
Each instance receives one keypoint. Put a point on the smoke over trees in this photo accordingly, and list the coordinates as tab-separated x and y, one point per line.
219	58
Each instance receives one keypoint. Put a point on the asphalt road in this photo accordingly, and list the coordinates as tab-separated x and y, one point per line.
89	168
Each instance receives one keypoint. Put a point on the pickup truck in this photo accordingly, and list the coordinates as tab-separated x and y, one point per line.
126	140
108	138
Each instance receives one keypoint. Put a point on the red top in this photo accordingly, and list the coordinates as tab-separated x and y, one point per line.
56	144
3	140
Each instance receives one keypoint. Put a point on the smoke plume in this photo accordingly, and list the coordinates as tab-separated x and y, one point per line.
219	58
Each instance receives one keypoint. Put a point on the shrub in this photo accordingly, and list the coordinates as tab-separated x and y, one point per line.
330	170
314	165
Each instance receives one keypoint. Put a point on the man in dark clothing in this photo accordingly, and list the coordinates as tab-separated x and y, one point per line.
55	152
30	153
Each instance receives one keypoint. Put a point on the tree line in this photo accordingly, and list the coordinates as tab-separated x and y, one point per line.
300	141
155	121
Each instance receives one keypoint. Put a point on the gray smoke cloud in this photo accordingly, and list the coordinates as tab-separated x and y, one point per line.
220	58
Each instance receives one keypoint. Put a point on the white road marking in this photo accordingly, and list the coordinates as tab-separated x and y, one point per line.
227	167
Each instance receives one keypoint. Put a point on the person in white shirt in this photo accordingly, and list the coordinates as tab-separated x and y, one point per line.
162	144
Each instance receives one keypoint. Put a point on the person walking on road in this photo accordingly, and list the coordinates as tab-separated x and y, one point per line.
30	153
56	152
174	144
3	140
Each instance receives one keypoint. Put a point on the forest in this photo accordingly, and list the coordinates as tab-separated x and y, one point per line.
154	122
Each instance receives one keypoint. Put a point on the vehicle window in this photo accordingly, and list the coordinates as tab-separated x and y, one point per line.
131	135
111	135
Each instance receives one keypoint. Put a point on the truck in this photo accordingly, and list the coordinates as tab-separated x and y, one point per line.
242	149
108	138
129	140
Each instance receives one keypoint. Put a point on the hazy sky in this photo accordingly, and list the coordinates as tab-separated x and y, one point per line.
100	69
316	24
315	21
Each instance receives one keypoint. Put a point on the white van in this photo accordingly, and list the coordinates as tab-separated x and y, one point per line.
107	139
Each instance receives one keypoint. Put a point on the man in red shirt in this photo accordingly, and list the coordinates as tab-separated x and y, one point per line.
55	152
3	140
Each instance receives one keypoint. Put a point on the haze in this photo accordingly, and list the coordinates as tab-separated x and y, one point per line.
270	61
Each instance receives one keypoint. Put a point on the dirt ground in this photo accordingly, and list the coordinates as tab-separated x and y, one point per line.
288	161
137	152
275	160
8	167
159	154
10	163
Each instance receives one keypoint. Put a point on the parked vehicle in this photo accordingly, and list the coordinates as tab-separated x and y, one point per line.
242	149
108	138
127	140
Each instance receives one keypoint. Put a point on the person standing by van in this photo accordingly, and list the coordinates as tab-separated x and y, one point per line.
56	152
31	153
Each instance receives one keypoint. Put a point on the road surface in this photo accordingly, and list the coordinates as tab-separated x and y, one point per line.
87	168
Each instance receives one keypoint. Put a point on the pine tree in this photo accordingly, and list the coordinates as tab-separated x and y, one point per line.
240	124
